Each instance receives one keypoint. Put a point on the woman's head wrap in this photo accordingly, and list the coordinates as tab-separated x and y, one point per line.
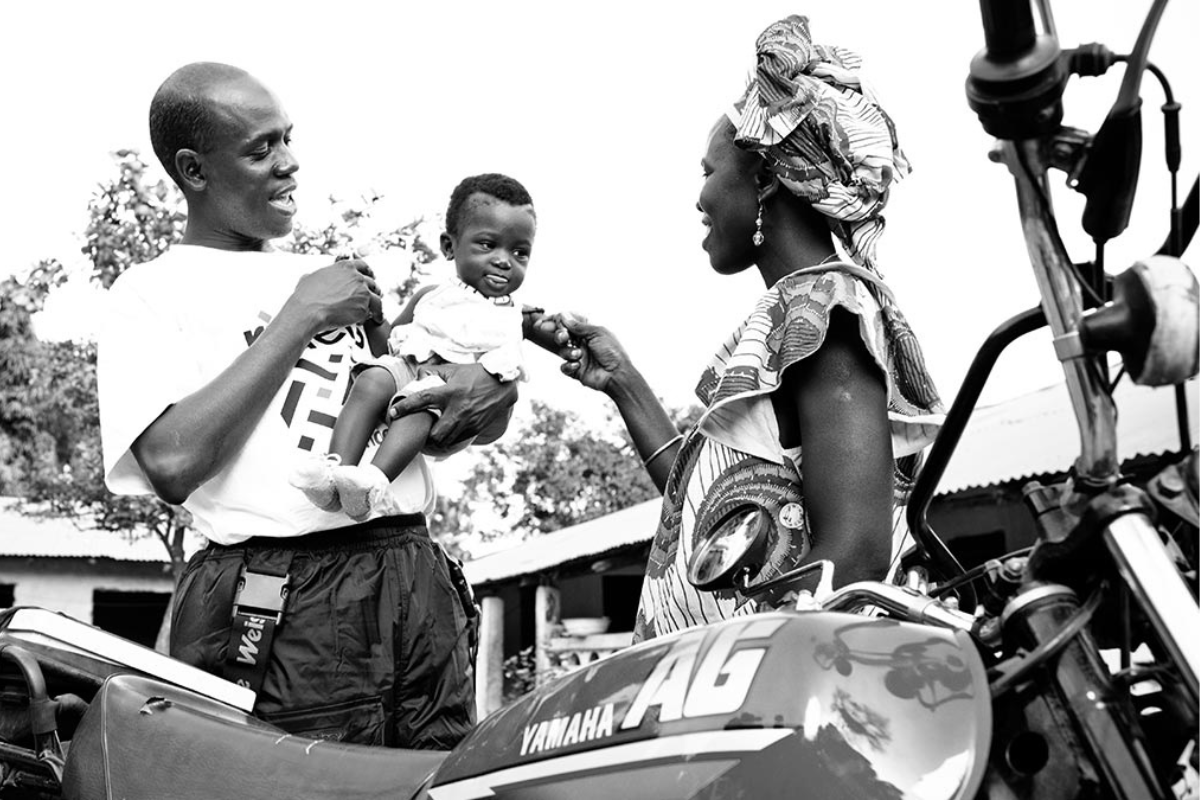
808	112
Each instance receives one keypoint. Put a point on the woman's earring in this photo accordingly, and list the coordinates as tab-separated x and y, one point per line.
758	234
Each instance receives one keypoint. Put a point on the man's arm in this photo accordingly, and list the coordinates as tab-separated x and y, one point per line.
197	436
377	336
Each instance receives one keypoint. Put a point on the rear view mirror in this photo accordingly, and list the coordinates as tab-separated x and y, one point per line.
732	553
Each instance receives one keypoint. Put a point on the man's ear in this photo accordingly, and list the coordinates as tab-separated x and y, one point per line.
191	169
447	244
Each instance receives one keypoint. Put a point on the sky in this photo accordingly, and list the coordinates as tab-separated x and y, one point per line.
602	110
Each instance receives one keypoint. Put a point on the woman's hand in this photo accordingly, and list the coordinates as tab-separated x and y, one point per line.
594	357
592	354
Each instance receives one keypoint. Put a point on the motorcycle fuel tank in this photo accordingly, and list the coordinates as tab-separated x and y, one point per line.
797	705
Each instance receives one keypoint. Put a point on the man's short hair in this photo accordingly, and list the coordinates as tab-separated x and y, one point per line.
501	187
182	112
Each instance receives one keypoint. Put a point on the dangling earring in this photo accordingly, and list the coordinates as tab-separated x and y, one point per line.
758	234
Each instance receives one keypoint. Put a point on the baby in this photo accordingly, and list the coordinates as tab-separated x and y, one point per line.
490	226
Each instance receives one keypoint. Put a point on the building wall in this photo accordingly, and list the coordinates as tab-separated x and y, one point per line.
68	584
994	515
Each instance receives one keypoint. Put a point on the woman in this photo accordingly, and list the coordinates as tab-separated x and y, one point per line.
825	365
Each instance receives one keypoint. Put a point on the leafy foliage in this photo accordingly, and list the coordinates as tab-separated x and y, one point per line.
520	675
49	410
131	219
18	359
555	471
345	235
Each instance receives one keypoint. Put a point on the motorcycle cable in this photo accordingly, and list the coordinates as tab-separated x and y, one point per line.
977	572
1048	649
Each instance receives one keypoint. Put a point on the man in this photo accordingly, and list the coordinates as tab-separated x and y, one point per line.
220	363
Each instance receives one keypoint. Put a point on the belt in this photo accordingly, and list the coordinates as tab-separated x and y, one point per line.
364	533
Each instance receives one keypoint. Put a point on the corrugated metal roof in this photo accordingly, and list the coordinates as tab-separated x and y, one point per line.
1036	433
1026	436
633	525
57	537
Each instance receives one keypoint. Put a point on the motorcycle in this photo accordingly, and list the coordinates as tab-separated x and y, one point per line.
1063	670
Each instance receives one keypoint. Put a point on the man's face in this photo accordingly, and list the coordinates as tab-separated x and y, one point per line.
250	170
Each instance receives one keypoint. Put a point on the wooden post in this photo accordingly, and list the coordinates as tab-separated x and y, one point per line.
489	665
546	611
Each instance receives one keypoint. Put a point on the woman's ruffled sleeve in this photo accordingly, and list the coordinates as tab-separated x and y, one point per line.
789	324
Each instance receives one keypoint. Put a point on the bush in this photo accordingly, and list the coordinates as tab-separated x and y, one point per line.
520	674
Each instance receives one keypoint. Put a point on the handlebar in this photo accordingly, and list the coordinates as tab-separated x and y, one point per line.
1062	302
899	602
1015	86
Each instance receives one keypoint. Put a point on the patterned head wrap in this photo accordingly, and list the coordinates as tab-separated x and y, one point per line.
808	112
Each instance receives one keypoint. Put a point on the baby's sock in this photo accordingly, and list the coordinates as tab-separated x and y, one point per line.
364	491
313	475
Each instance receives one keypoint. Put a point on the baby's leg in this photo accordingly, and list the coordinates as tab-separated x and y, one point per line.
405	438
364	409
364	491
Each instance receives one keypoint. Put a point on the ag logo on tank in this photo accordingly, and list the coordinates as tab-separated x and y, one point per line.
720	682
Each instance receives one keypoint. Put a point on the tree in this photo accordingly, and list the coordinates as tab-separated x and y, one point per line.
345	235
56	462
553	472
132	219
19	358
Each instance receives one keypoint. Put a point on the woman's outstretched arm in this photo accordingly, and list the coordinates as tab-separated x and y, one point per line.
593	356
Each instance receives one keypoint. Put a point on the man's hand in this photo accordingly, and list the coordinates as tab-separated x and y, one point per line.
344	293
472	402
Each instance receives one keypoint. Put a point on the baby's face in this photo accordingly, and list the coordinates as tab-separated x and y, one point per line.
493	245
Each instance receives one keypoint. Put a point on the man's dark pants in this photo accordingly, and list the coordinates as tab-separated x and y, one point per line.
374	643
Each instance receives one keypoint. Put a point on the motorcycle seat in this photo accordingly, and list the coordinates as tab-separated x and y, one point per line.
143	738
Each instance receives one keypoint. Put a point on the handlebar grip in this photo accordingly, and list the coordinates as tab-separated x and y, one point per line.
1007	29
1016	82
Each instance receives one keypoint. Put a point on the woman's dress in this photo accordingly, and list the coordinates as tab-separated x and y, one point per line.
733	456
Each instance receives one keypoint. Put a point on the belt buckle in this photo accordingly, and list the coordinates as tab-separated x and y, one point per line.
262	593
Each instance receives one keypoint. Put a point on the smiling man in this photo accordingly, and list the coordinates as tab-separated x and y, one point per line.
219	363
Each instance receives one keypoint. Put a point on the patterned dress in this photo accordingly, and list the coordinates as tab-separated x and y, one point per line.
733	456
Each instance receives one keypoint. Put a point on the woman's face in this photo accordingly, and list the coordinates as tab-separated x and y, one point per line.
728	201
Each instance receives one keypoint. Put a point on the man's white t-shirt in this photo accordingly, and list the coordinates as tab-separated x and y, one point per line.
173	325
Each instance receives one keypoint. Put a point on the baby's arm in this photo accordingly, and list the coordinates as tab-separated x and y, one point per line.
547	330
